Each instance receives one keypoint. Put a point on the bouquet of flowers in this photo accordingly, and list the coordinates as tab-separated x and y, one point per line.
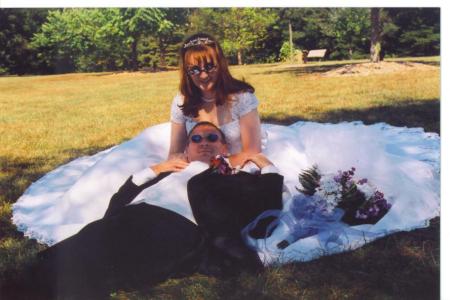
360	201
326	205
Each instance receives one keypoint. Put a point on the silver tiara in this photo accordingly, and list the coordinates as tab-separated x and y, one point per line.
198	41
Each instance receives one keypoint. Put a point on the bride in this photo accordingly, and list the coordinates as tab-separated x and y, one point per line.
403	163
208	92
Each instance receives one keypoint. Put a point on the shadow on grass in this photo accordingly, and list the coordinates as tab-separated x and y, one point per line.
304	69
142	71
17	176
425	114
20	171
421	61
318	69
404	265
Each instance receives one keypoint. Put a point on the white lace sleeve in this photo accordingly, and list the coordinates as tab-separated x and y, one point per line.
176	114
246	103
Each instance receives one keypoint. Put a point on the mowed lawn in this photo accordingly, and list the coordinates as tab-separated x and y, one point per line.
46	121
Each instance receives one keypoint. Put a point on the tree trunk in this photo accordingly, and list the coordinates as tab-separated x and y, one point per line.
239	56
134	55
375	38
162	53
291	44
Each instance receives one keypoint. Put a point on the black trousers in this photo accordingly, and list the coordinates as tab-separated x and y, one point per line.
140	245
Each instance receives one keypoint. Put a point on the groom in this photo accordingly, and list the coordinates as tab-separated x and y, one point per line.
205	141
142	244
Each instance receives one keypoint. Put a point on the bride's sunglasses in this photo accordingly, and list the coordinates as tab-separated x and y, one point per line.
211	137
197	70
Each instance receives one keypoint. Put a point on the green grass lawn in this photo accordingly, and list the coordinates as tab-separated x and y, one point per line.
49	120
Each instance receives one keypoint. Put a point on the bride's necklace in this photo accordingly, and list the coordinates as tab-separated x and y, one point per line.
209	100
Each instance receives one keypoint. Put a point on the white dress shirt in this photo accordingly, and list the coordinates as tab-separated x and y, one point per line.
148	174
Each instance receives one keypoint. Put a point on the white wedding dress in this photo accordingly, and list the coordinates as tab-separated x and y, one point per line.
403	163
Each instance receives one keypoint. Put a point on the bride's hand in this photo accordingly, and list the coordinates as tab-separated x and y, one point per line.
239	159
175	164
259	159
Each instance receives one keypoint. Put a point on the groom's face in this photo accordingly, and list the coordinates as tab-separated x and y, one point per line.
204	143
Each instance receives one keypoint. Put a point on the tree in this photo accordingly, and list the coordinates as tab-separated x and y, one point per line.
350	28
161	47
311	28
81	39
240	29
411	31
243	27
138	22
375	37
291	43
287	52
308	27
170	33
95	39
17	27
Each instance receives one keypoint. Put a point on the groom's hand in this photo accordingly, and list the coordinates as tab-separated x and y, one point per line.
180	155
174	164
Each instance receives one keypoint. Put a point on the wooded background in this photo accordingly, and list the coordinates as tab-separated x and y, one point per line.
49	41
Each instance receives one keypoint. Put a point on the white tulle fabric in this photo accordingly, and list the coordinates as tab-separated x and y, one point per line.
404	163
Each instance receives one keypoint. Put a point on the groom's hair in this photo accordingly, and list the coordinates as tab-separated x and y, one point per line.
206	123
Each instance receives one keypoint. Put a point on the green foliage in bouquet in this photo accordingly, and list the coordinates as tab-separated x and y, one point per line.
309	179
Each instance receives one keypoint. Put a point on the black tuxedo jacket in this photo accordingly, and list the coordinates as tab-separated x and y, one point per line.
223	204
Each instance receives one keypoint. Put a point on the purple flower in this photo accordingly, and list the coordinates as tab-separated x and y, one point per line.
378	195
383	204
362	181
337	178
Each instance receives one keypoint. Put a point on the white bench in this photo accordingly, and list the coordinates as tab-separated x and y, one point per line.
316	53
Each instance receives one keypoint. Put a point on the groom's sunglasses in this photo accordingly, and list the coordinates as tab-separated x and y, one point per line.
211	137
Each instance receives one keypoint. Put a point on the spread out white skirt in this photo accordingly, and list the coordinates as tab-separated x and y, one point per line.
403	163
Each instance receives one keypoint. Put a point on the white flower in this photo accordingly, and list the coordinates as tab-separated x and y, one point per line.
328	184
326	207
329	191
367	189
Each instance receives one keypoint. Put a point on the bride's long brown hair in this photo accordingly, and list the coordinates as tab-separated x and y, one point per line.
208	50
